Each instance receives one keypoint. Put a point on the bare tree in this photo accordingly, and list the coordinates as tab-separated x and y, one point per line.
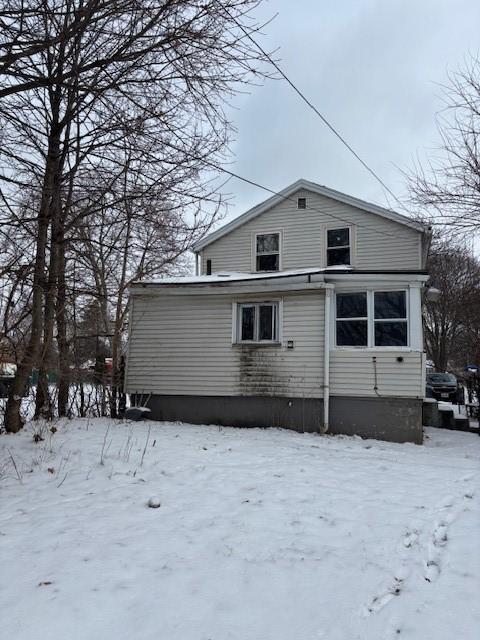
77	77
449	185
452	324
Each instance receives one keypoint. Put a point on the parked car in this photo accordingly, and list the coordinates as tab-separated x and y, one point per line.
442	386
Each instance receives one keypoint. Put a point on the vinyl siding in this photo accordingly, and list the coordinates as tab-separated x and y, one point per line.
379	243
182	345
352	373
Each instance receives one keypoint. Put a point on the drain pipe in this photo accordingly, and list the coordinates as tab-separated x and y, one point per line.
326	358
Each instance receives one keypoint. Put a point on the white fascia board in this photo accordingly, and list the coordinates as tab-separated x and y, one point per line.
372	278
315	188
266	288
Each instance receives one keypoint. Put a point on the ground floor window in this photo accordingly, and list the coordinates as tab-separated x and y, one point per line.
257	322
371	319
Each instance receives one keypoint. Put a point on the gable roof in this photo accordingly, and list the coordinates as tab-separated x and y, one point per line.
315	188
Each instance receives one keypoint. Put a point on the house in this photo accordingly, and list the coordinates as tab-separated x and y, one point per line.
305	313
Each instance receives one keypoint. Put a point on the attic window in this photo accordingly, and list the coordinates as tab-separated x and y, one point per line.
301	203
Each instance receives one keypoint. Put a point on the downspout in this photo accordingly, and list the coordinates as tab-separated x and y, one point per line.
326	359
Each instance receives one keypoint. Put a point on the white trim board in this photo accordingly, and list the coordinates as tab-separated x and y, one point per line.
315	188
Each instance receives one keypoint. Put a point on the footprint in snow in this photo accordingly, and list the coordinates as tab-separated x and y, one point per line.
440	534
393	591
410	538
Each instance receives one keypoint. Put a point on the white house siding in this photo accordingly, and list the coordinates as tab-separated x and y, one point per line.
352	373
182	345
380	243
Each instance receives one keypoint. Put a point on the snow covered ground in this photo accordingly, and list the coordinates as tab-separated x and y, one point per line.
260	535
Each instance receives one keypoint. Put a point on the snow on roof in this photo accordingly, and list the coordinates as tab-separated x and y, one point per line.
236	276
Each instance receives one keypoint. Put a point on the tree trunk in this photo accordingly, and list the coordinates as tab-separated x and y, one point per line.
12	420
63	359
43	402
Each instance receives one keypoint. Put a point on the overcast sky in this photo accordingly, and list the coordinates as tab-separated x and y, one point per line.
372	67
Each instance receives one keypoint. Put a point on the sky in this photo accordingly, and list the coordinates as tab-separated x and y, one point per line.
373	68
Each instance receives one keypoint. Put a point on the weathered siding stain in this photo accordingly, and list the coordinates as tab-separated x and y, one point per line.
182	345
258	372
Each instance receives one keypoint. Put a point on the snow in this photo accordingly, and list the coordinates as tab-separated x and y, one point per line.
261	534
8	369
235	276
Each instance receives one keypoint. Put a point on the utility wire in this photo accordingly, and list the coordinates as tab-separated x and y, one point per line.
232	174
290	199
253	183
313	107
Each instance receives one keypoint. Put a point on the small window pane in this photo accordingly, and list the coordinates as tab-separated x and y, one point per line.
351	305
248	323
390	304
338	237
267	243
352	333
268	263
338	256
302	203
390	334
266	328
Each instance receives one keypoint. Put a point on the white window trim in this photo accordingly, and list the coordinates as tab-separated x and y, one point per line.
255	234
353	241
412	328
236	316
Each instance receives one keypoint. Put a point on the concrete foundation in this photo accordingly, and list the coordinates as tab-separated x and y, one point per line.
392	419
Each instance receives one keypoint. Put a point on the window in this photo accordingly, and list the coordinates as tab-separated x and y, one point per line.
209	267
301	203
390	319
352	320
267	252
371	319
338	246
258	322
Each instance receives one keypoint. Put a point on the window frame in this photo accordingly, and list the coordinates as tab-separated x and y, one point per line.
352	319
390	320
371	346
237	307
352	244
269	232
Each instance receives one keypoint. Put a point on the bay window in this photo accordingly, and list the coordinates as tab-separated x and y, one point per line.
390	319
352	319
371	319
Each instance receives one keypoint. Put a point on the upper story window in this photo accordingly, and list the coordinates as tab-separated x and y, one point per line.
258	322
338	246
267	251
301	203
372	319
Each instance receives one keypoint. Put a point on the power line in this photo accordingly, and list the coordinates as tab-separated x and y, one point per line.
290	199
313	107
253	183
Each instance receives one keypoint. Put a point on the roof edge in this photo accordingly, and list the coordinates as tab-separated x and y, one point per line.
315	188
